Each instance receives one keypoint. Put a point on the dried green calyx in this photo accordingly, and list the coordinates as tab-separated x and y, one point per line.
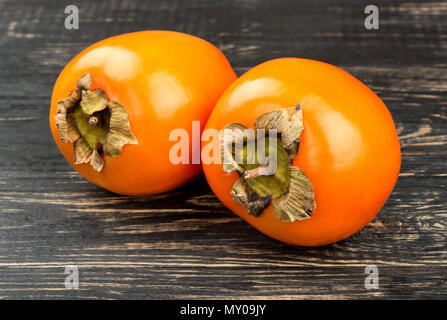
93	124
262	157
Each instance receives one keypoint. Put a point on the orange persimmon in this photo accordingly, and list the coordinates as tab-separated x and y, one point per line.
348	149
115	104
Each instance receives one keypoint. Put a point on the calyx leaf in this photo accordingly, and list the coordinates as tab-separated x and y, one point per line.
247	197
298	202
93	101
66	126
230	135
289	124
120	133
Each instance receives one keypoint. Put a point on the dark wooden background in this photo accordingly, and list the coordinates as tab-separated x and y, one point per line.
185	244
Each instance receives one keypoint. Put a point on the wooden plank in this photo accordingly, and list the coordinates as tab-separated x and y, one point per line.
185	244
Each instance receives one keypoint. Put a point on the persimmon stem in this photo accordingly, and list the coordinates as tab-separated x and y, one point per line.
268	169
93	121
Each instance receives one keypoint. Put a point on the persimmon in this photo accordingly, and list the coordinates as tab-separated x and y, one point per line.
338	154
114	105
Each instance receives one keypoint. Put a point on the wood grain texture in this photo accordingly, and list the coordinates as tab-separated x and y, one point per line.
185	244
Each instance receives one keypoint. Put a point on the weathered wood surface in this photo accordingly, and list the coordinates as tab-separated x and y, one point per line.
185	244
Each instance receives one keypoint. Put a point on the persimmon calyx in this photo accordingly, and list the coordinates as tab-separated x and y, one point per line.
262	157
93	124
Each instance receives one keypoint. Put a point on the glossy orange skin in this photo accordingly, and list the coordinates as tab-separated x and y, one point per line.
165	80
349	146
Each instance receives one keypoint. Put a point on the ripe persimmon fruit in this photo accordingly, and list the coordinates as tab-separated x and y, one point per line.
338	154
115	104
